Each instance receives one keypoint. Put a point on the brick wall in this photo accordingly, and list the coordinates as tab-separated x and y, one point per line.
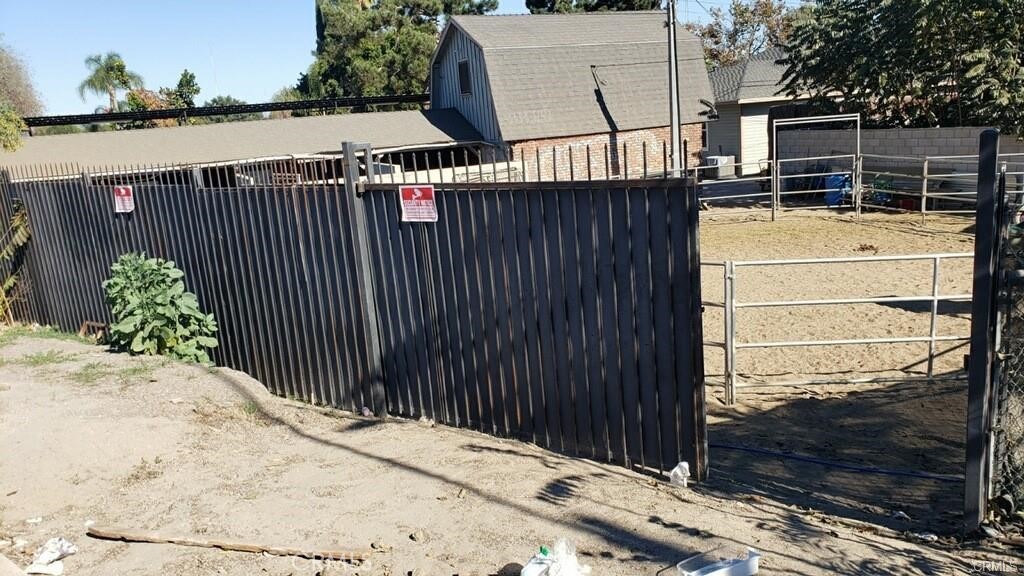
615	155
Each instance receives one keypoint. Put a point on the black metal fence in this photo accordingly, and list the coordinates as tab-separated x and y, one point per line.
563	314
1001	418
272	264
1008	401
995	428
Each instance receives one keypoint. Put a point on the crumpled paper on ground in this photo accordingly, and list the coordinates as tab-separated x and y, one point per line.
48	557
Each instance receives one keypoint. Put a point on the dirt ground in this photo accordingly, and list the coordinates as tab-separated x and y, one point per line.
743	235
91	437
143	443
903	425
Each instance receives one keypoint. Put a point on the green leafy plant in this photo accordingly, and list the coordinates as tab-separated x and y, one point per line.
12	244
11	126
154	314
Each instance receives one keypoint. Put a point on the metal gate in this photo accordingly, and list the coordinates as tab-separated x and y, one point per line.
565	314
995	428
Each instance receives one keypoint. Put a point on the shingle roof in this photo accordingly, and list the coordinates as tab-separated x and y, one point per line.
567	74
245	140
756	77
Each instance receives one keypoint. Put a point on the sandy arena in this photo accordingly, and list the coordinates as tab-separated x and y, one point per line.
903	425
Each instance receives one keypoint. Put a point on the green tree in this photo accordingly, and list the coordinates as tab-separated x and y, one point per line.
11	126
227	101
104	127
913	63
746	29
141	100
478	7
57	130
18	98
288	94
184	94
16	89
542	6
107	76
376	48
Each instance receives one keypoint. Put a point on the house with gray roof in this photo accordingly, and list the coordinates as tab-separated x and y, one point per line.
536	90
744	92
540	85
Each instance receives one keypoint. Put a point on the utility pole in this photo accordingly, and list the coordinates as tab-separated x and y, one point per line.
673	92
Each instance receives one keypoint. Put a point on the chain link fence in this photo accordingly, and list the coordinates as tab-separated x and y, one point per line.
1008	454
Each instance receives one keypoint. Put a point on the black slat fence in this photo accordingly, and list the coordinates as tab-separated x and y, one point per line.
563	314
271	263
560	314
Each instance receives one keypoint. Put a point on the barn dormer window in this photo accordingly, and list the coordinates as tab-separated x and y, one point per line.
465	86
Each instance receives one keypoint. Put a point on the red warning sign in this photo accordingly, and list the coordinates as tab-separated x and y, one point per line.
124	199
418	203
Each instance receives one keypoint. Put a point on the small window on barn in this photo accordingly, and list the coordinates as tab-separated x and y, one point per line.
465	86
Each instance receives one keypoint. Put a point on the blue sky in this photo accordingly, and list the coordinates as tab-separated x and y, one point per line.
246	48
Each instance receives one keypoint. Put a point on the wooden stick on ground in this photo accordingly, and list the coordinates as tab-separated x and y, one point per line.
155	538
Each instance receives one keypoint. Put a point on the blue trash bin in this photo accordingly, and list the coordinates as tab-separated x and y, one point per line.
838	188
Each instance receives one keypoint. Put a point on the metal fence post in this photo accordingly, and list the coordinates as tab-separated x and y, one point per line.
982	351
197	178
935	315
729	305
361	251
776	184
858	183
924	190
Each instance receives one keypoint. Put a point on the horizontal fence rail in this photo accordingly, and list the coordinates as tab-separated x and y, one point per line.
732	305
839	180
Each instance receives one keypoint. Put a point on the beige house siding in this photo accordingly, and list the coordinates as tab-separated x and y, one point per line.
445	92
724	133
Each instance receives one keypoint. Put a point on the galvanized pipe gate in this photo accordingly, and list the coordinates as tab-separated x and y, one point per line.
731	306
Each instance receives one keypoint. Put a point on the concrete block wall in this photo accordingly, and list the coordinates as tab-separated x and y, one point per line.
624	151
915	142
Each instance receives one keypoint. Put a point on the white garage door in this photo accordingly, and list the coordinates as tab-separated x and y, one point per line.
753	135
724	133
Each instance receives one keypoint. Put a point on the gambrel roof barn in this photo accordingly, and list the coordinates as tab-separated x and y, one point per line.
527	77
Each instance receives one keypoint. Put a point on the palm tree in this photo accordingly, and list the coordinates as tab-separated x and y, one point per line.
107	75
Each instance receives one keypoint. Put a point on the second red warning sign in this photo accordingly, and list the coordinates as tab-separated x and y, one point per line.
124	199
418	203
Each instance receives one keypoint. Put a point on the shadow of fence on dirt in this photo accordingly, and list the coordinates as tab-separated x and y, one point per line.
950	308
648	550
914	430
662	550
